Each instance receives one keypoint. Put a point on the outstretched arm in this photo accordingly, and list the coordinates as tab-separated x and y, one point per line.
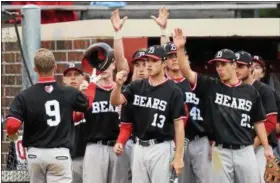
184	64
161	20
117	23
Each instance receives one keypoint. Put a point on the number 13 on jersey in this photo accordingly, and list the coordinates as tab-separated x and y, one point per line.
158	120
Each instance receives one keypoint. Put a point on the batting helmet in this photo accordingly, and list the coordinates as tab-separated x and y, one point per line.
98	55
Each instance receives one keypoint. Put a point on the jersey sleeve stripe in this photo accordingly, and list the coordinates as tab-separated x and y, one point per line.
182	117
14	118
193	85
272	113
125	123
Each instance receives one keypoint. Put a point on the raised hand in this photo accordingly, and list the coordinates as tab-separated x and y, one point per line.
178	38
161	20
117	22
121	77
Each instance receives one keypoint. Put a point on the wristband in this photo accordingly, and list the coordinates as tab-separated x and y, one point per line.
117	35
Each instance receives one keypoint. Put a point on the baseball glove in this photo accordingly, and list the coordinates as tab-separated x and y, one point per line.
272	172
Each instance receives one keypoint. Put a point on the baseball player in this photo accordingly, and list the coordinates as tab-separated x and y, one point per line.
139	72
197	161
46	111
139	65
73	76
102	128
244	71
103	119
196	157
232	109
259	73
158	111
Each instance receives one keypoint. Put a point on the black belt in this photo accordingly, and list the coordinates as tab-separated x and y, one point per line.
231	146
147	143
105	142
197	137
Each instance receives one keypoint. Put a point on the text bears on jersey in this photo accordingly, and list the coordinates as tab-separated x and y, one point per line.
236	103
191	98
103	106
149	102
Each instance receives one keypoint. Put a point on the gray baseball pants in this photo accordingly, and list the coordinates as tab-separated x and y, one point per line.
261	161
197	162
151	164
49	165
102	165
235	166
129	151
276	150
77	164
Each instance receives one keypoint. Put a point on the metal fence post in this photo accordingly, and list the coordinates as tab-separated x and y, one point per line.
31	40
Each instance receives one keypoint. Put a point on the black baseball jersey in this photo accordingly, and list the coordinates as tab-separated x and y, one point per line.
126	113
277	100
231	111
267	97
195	124
80	141
102	119
269	104
154	108
46	110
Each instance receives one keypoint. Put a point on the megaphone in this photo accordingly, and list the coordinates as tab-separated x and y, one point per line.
98	56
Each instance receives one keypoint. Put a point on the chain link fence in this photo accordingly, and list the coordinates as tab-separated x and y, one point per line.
13	155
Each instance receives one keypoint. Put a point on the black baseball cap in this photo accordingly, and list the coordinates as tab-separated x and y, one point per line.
170	48
156	52
138	55
243	57
259	60
73	66
224	55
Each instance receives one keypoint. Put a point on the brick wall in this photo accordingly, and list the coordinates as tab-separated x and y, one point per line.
11	67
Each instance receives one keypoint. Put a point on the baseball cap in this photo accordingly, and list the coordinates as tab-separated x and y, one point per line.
138	55
259	60
224	55
73	66
156	52
170	48
243	57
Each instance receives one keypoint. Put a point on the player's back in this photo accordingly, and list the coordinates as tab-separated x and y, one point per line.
47	114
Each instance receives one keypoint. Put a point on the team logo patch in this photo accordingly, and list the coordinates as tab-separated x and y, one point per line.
49	89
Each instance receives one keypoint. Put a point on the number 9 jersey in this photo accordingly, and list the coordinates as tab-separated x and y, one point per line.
46	111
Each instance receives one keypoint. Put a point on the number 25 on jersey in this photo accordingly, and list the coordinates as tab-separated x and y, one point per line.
159	120
245	121
53	111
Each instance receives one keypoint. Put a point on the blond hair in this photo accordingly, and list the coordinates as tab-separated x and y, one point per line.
44	60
